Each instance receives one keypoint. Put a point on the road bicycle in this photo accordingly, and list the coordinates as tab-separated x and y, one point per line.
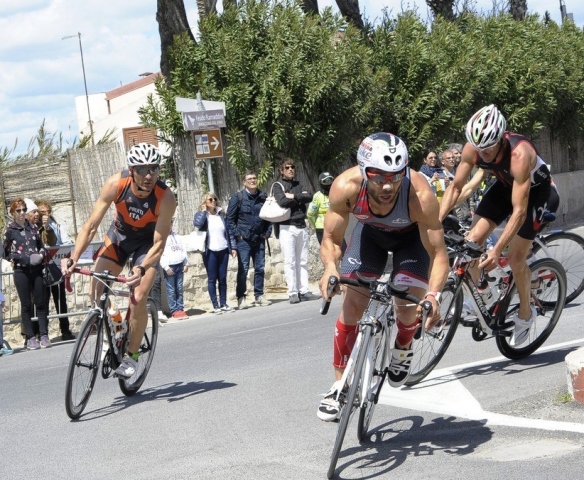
489	317
102	342
368	364
565	247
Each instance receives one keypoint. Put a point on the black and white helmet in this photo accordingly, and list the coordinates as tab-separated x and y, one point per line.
325	178
143	154
486	127
383	151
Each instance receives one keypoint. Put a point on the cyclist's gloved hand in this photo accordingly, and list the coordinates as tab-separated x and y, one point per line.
36	259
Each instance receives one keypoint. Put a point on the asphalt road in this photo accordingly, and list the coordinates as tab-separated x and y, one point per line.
235	396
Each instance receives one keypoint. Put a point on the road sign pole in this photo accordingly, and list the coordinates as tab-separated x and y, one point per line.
210	176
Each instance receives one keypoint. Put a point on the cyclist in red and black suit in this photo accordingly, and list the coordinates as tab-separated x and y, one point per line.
523	192
396	211
142	222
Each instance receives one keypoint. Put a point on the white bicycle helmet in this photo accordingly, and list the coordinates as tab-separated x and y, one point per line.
486	127
383	151
143	154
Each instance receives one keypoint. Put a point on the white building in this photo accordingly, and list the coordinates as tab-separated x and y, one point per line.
117	110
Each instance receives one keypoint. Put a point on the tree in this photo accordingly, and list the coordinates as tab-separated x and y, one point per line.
310	6
350	10
172	20
518	9
442	8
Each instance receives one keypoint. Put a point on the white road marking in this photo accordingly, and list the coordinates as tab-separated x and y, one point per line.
441	392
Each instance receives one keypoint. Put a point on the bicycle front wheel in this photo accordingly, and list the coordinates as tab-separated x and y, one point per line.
352	399
372	385
83	365
568	249
548	298
130	386
432	345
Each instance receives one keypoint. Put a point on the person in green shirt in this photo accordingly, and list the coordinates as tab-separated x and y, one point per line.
320	205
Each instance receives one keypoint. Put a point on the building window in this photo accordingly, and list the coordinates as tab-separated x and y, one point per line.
135	135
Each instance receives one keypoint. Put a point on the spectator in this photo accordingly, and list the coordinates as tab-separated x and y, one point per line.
456	149
54	235
23	247
218	244
320	205
251	234
448	166
5	348
292	233
433	172
174	264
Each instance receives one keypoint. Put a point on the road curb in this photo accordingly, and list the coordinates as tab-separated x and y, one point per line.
575	374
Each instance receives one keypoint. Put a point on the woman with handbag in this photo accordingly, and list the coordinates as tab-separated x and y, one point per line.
219	244
24	248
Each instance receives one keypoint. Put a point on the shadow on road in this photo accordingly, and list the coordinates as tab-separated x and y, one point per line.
390	444
171	392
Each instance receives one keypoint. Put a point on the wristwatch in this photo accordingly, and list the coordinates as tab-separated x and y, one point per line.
436	295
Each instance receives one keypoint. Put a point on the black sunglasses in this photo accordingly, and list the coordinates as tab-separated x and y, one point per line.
289	167
211	199
20	210
143	171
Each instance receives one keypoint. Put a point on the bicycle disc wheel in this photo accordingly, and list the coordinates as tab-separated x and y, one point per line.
548	299
130	386
372	386
432	345
568	249
83	365
351	401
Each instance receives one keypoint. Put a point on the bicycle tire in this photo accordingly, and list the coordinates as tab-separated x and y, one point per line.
129	386
380	364
432	345
85	359
568	249
550	294
348	408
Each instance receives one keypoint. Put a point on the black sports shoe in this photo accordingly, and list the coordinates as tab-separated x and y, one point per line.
306	297
399	367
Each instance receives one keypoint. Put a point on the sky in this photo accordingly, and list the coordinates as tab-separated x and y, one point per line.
41	73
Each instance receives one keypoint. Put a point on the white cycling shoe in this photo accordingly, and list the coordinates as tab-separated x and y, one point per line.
521	329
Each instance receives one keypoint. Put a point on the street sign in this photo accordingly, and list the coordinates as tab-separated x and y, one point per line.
208	144
201	120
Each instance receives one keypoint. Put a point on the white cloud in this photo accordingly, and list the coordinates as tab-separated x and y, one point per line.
41	74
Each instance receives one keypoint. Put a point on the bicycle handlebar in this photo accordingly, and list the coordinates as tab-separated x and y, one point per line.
105	276
392	289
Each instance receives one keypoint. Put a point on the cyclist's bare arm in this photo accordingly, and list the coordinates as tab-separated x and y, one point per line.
454	190
161	232
342	198
424	209
472	185
87	232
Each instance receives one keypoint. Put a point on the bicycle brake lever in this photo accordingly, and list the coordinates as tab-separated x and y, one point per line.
326	302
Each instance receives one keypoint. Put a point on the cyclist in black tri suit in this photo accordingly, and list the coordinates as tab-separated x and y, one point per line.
144	209
523	192
396	211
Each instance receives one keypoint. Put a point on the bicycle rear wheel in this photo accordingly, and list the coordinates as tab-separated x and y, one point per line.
548	299
432	345
83	365
568	249
130	386
372	385
352	399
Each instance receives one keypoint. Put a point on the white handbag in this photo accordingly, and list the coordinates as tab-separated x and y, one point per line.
195	241
271	211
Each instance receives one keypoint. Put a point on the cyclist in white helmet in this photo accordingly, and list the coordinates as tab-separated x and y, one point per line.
143	217
396	211
521	192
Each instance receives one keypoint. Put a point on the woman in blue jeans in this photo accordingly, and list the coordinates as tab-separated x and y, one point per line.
219	244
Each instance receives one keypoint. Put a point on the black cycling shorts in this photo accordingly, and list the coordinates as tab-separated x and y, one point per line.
367	255
496	206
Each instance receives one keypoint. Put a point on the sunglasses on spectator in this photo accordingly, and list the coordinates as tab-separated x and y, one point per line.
20	210
289	167
382	178
143	171
211	199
